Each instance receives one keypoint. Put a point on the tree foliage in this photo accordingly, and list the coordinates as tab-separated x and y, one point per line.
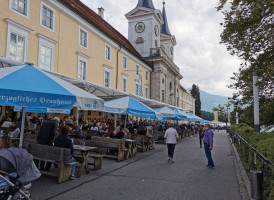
195	92
248	33
207	115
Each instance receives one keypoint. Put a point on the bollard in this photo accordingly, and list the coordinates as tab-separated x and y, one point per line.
256	184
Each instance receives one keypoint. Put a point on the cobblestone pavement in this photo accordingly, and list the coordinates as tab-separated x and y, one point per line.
149	176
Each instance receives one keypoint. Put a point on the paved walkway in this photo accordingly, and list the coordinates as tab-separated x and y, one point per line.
149	176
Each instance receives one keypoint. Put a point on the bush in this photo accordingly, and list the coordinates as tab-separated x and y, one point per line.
263	142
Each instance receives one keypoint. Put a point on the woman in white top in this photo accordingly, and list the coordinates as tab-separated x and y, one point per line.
171	136
94	127
15	131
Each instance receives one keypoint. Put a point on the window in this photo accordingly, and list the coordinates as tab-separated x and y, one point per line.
107	76
146	91
83	38
137	88
46	52
17	41
47	18
139	40
124	62
124	83
82	66
137	70
163	97
170	86
21	7
107	52
147	75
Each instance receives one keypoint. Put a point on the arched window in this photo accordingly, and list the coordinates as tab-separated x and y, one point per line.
163	81
171	51
139	40
170	86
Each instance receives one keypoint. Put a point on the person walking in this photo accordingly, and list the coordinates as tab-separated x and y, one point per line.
208	145
171	136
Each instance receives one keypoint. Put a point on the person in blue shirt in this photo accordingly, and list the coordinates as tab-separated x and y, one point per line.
208	145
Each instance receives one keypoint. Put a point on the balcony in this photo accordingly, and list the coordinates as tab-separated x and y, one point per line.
160	53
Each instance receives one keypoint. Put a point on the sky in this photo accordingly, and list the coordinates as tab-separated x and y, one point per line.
196	25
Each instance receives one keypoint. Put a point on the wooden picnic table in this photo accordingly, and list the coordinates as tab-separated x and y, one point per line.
131	145
85	151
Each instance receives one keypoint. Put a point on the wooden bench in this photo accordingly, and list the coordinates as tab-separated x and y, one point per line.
107	145
29	139
97	158
60	156
142	142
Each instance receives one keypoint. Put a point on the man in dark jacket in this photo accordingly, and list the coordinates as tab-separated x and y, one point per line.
46	137
64	141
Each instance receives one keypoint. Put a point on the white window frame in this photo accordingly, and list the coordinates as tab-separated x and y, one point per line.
137	69
147	75
79	42
53	15
125	65
146	92
82	58
137	88
18	29
124	77
17	12
49	43
107	47
107	69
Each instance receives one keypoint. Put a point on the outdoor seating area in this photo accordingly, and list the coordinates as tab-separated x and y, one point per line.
69	140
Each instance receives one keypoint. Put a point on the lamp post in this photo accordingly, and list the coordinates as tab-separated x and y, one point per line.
256	103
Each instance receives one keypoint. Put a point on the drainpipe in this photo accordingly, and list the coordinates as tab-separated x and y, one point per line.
117	66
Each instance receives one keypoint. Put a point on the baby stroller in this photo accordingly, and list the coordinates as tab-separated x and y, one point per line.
17	171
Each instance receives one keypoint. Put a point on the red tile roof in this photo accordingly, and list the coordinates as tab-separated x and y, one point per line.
92	17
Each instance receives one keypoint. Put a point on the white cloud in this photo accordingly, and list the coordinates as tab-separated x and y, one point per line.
195	24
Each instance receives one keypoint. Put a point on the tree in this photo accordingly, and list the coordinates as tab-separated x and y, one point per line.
248	33
223	112
195	92
207	115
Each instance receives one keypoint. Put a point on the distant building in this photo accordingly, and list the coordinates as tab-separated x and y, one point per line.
187	101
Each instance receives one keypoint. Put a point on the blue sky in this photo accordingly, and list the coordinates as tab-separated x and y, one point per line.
196	25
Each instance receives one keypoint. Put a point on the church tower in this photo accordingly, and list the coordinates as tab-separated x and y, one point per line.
168	41
144	24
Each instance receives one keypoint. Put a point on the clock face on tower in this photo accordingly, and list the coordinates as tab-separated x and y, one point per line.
139	27
156	30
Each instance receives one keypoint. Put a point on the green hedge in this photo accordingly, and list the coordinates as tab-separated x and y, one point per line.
263	142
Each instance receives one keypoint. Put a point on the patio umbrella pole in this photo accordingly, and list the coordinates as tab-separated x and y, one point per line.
126	121
115	120
22	126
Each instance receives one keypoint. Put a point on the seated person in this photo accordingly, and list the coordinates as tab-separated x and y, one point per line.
77	130
64	141
32	126
7	123
15	131
94	127
118	133
143	131
128	134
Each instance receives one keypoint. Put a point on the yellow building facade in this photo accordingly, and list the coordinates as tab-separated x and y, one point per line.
55	37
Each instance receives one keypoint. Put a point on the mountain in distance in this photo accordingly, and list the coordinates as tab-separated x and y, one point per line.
209	101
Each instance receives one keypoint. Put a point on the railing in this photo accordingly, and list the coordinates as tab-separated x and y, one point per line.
255	160
159	52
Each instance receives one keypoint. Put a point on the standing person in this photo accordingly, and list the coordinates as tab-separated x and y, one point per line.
171	136
208	145
201	134
46	137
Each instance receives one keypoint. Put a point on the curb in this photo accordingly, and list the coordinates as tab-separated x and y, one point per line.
242	177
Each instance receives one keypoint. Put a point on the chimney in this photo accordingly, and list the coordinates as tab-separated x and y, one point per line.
101	12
